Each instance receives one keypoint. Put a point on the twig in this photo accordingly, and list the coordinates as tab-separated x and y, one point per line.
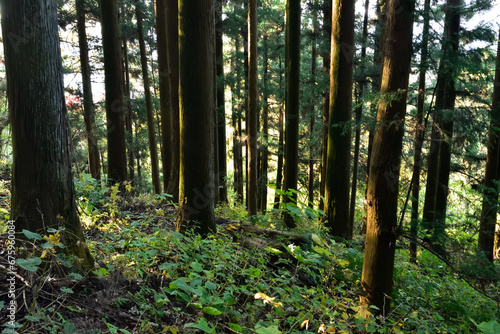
17	275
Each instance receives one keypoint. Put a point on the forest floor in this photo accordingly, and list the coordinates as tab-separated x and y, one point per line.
149	279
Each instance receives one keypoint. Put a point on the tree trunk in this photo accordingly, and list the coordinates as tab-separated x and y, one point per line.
43	194
153	148
489	211
419	133
264	152
128	116
382	193
113	77
339	132
236	122
221	109
358	113
279	168
196	107
434	214
312	112
253	114
88	104
327	32
292	77
173	79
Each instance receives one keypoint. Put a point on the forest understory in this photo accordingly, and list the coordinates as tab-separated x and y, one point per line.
249	277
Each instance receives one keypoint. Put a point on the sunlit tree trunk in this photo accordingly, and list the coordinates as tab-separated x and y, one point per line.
197	108
339	131
419	132
264	153
43	194
292	77
236	123
492	174
128	113
434	214
327	36
312	112
113	82
88	104
153	148
383	182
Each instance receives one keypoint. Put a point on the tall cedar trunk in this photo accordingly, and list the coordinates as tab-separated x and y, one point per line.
264	152
153	148
339	131
197	108
382	193
173	106
434	214
221	109
358	113
279	168
161	44
128	114
43	194
312	113
419	132
253	114
88	104
244	33
489	211
292	77
327	32
236	122
113	82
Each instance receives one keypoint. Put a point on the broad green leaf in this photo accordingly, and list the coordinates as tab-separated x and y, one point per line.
211	310
69	328
2	304
317	239
31	235
293	209
273	250
76	276
66	290
490	327
235	327
197	266
273	329
30	264
211	286
202	325
254	272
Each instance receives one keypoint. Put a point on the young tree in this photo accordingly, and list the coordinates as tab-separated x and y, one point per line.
113	79
382	193
253	114
42	180
88	104
197	107
292	77
153	150
436	194
339	132
492	174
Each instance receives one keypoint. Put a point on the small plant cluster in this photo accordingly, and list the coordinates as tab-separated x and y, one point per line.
150	279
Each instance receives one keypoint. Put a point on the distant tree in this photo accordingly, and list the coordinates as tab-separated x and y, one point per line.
492	174
253	114
197	107
113	79
153	150
292	77
439	158
419	131
88	104
383	182
43	196
264	147
339	132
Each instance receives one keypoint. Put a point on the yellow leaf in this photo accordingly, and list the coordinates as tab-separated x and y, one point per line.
267	299
305	324
322	328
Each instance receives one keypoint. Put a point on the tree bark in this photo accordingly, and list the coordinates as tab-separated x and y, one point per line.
489	211
128	116
236	122
339	132
153	148
292	77
43	194
434	214
383	182
88	104
253	114
113	78
196	107
264	152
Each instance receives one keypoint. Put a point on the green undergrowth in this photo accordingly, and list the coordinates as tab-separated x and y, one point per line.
150	279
